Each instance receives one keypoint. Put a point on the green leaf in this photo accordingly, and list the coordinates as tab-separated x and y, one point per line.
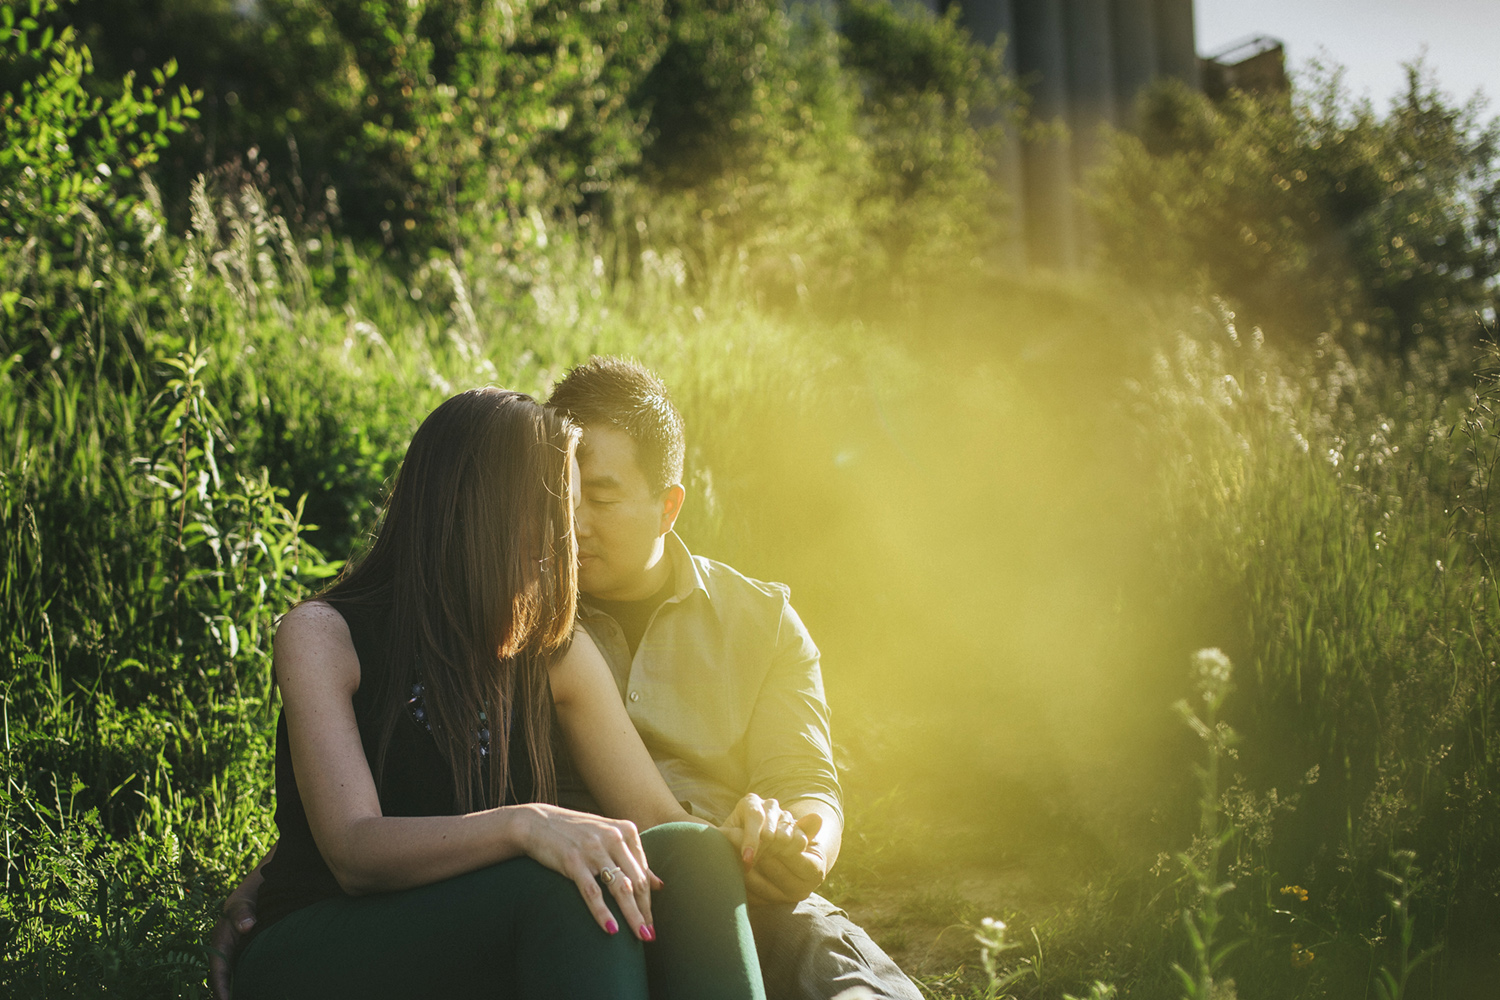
1217	959
1194	936
1189	984
144	924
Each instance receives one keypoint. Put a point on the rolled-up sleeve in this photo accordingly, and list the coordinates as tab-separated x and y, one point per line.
788	747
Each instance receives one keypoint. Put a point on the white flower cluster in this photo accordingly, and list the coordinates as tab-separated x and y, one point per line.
1213	669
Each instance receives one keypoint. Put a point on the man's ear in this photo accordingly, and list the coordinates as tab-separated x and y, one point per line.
671	505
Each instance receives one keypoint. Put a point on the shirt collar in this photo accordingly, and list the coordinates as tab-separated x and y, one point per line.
685	571
686	576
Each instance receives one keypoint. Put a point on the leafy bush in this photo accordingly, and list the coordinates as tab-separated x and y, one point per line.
1312	214
932	109
409	122
829	151
63	147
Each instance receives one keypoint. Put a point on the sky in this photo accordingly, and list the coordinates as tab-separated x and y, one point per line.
1371	38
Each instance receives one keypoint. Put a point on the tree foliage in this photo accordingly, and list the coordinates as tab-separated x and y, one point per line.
932	106
422	124
425	118
1315	213
63	146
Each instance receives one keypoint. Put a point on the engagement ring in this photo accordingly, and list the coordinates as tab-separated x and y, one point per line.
607	876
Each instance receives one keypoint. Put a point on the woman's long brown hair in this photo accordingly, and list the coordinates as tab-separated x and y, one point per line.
474	558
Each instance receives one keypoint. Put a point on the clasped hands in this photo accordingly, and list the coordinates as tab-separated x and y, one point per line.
782	858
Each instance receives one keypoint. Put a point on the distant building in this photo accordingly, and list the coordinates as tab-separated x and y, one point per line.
1256	65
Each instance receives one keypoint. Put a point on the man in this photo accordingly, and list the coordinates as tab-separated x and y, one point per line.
717	673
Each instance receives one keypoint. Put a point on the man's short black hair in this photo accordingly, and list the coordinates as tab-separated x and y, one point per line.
623	393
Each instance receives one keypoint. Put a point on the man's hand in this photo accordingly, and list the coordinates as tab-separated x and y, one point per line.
229	933
790	877
760	828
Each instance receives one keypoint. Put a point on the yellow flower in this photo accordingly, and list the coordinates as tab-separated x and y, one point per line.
1301	956
1295	890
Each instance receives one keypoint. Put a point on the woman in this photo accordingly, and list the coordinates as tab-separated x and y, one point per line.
418	856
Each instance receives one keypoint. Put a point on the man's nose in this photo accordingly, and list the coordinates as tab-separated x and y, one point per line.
581	524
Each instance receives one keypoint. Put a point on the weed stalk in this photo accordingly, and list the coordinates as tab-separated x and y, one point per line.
1211	676
1390	983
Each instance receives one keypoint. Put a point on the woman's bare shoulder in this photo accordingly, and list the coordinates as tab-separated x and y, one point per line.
580	665
312	618
580	648
314	634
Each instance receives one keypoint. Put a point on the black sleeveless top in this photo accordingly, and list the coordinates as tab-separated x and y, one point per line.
417	780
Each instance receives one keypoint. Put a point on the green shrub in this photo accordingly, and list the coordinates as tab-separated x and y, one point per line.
827	153
64	148
932	106
409	123
1314	214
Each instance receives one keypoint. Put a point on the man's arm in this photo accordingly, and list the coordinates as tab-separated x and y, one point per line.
229	933
790	757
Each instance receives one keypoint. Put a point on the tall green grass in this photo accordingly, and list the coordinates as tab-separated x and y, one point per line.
190	432
1005	534
1326	517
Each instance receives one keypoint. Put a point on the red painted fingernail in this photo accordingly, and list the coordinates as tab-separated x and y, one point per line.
647	934
612	927
749	855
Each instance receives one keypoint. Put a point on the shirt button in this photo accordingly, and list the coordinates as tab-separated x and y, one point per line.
635	696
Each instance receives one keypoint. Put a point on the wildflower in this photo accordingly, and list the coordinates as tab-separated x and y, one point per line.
1213	668
1301	957
1295	890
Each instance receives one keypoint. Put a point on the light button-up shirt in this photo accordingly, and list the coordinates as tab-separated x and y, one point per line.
724	689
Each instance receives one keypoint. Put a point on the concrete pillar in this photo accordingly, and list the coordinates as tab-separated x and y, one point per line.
1091	87
987	21
1091	61
1176	41
1133	24
1041	58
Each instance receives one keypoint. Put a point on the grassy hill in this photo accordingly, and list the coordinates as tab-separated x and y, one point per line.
1011	509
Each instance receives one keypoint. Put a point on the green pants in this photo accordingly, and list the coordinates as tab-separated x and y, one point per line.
518	930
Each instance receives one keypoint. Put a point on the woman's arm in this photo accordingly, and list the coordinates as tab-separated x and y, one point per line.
610	756
318	671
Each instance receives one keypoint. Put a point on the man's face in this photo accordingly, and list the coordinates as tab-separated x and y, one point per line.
620	520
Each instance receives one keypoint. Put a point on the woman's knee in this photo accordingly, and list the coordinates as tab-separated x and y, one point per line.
501	901
516	922
559	948
691	839
698	852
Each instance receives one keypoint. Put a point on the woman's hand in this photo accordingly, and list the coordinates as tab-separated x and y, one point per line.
582	847
760	827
